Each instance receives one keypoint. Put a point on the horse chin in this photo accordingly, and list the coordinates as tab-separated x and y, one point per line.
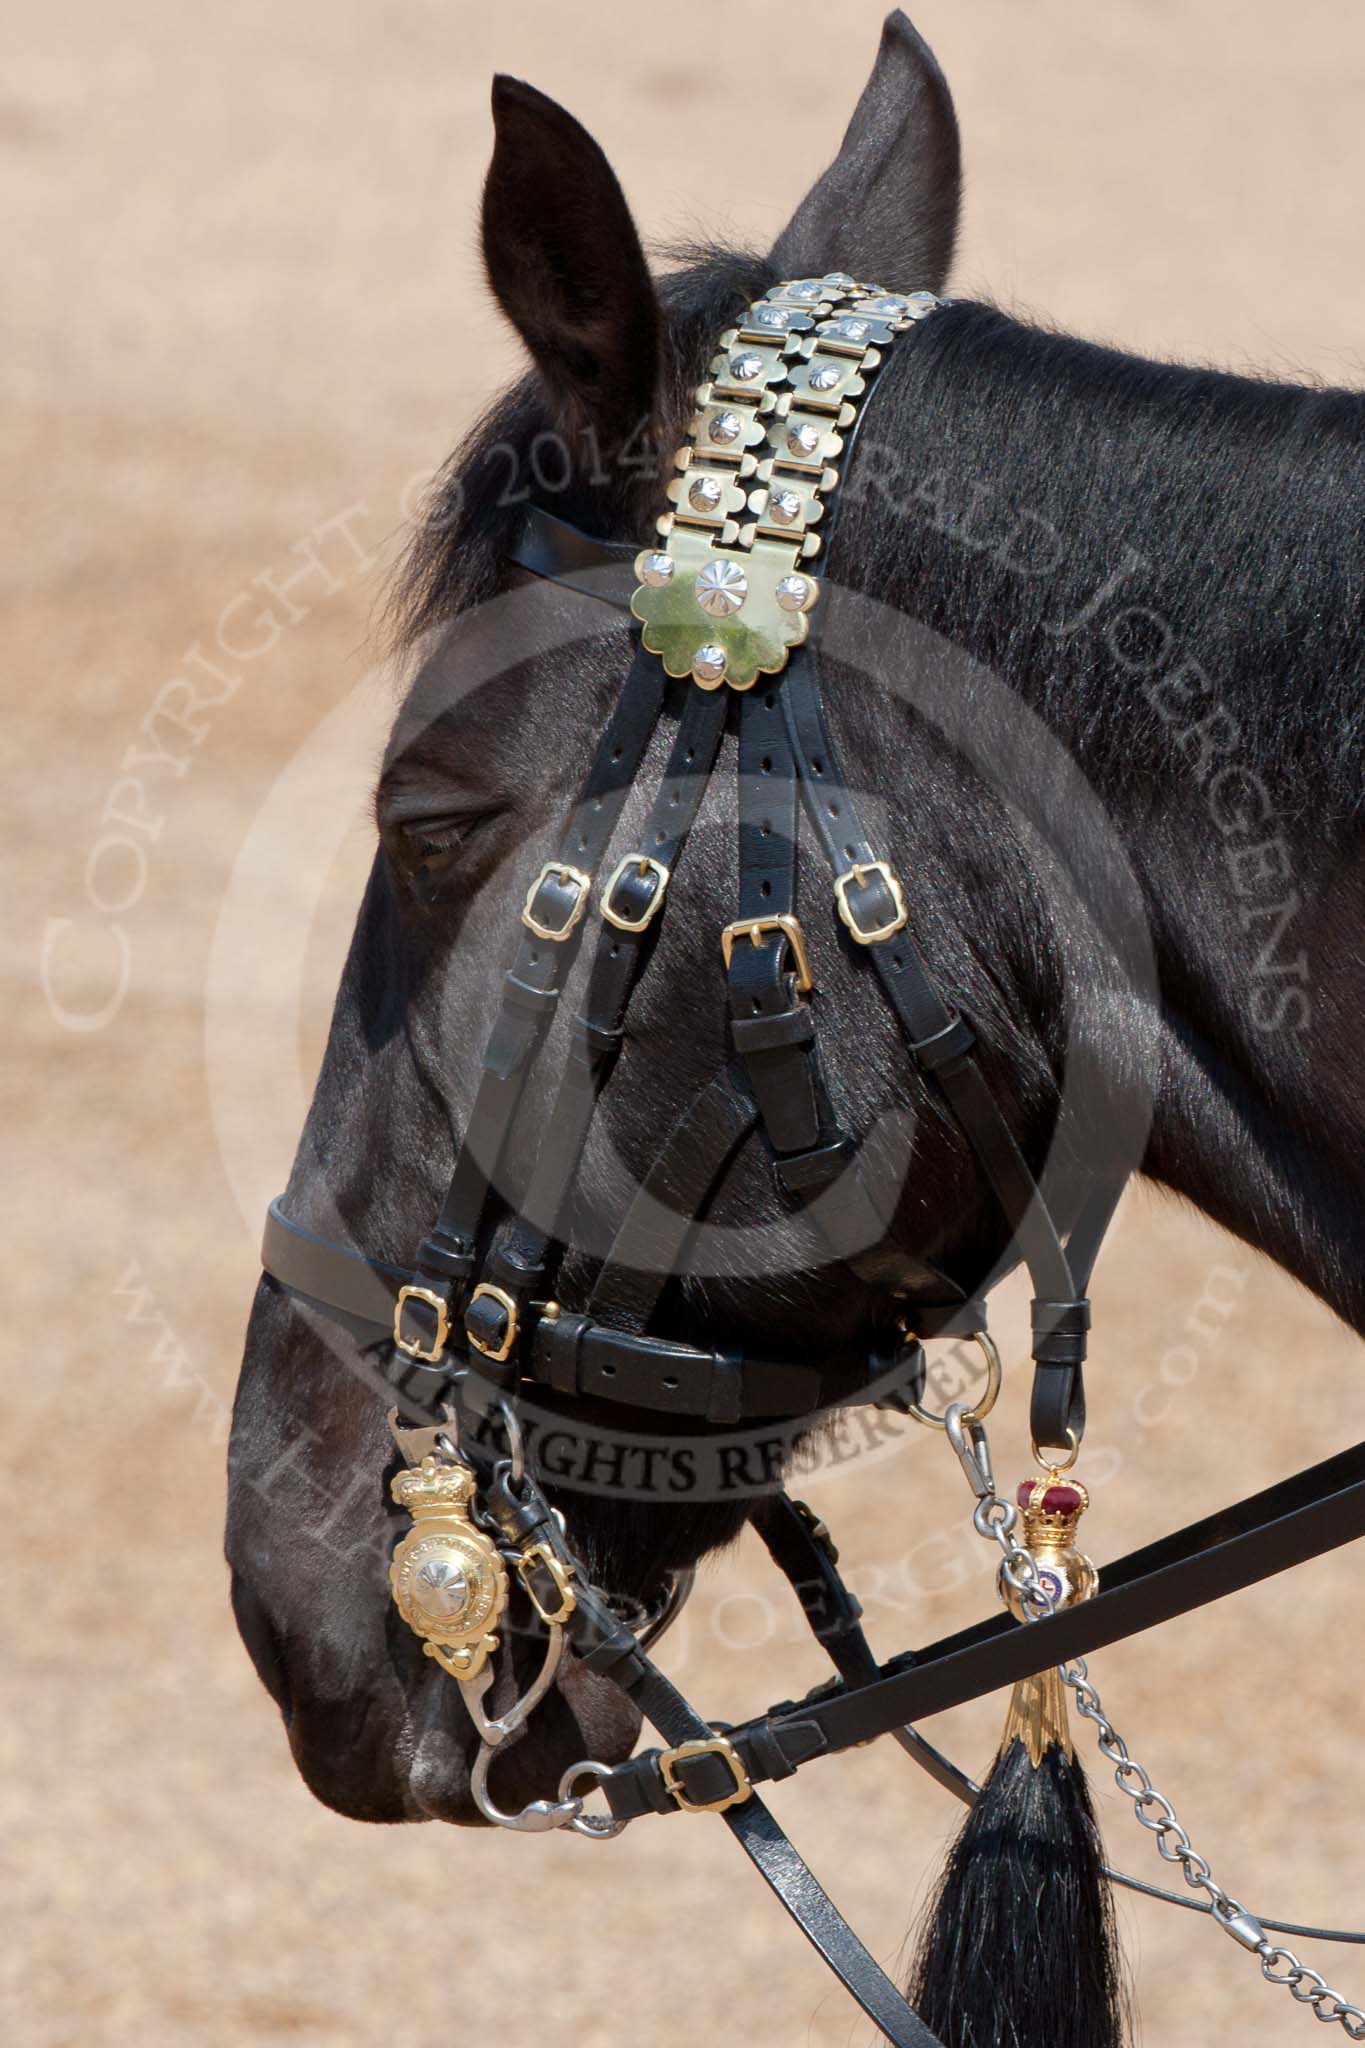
581	1717
402	1747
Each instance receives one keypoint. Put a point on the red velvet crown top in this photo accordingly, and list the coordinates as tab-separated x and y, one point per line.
1058	1500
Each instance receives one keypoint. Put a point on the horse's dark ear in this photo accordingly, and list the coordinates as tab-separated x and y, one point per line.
886	209
564	258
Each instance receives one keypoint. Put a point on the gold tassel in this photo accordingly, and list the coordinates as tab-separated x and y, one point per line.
1051	1507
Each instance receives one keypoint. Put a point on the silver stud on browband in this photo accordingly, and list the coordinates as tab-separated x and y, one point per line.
721	589
708	664
793	593
824	377
746	365
704	494
852	330
785	507
725	427
803	438
656	570
772	316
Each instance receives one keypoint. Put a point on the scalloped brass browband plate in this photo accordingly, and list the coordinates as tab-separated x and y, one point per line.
727	595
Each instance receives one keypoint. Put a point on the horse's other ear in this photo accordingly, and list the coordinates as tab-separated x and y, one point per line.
564	259
886	210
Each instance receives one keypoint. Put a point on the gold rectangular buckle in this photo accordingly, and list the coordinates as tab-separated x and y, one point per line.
859	873
755	929
560	1572
642	863
432	1300
504	1300
581	882
716	1746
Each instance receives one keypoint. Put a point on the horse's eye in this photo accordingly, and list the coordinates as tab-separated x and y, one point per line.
429	850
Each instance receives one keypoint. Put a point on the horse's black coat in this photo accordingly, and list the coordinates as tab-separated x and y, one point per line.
1135	589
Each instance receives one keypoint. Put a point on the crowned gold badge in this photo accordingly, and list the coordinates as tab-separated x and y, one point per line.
447	1577
1051	1509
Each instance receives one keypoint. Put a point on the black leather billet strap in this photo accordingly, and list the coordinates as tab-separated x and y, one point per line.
551	547
1316	1511
773	1025
597	1035
943	1044
609	1649
770	1019
531	989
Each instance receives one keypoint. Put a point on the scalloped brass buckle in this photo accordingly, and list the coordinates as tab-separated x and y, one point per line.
560	1571
859	873
486	1290
729	1756
643	863
755	929
581	882
412	1347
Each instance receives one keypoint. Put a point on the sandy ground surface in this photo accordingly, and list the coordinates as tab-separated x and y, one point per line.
241	308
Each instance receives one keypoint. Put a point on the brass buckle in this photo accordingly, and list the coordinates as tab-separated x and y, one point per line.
417	1350
505	1300
642	862
754	929
560	1572
859	873
583	884
716	1746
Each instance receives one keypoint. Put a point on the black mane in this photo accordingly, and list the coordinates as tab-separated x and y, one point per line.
1243	496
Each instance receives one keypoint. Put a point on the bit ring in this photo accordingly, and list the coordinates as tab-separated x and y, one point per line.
985	1401
601	1827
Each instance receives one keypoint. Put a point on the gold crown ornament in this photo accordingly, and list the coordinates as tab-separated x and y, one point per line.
448	1580
1051	1508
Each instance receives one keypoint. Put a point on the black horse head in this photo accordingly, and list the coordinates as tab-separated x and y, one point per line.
1098	803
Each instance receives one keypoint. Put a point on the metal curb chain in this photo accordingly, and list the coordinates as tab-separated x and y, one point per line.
996	1518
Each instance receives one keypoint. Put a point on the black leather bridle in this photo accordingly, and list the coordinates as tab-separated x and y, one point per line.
463	1322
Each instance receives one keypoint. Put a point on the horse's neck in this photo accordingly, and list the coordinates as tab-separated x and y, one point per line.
1165	565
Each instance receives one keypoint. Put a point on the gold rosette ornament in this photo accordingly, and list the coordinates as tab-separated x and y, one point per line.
1051	1508
448	1580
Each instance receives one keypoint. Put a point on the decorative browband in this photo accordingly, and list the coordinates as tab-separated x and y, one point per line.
727	595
